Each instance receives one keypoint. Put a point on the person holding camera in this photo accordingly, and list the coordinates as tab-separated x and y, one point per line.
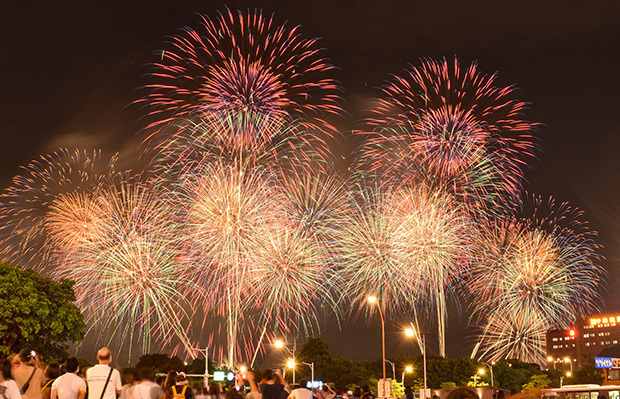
28	375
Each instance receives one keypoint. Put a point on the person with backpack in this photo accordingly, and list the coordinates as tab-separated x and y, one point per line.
28	376
181	389
52	372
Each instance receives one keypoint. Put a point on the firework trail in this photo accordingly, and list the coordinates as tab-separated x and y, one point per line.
507	337
24	205
539	269
303	253
227	212
454	128
407	246
242	63
120	245
256	141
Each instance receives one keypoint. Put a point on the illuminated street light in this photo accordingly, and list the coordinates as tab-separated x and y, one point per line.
480	372
568	374
408	369
567	359
412	332
490	366
279	344
373	299
551	359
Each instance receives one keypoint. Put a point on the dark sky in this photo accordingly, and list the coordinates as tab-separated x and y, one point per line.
70	68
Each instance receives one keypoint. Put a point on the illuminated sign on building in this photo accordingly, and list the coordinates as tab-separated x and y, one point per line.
605	320
607	362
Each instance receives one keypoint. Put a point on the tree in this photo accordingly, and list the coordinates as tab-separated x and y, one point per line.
37	313
588	375
161	362
537	382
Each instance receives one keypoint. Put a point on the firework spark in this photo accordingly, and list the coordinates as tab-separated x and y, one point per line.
121	246
407	246
452	128
540	268
24	205
239	63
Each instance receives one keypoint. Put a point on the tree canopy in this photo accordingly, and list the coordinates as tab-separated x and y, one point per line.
37	313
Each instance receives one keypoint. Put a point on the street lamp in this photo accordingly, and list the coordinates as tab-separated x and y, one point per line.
480	372
393	369
373	299
279	344
490	366
311	365
550	359
567	359
568	374
408	369
291	365
412	332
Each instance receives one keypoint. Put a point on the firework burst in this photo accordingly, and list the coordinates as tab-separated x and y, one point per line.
407	246
540	268
452	128
25	205
121	246
239	63
254	141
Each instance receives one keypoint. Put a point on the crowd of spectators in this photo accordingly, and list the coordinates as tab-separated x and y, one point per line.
22	376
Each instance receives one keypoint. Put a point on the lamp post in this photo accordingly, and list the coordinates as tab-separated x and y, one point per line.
393	369
412	332
311	365
490	366
291	365
205	351
568	374
479	372
550	359
373	299
279	344
408	369
568	359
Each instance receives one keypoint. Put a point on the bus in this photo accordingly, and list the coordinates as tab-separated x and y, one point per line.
585	391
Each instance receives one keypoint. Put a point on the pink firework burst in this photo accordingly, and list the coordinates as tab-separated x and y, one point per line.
242	62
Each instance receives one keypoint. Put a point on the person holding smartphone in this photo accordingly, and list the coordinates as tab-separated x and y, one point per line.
29	376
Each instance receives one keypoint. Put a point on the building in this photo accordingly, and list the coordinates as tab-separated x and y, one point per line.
579	345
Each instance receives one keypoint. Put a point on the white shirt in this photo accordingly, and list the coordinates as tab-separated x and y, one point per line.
147	390
12	390
68	385
301	393
96	377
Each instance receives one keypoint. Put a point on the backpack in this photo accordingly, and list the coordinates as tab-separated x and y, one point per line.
178	395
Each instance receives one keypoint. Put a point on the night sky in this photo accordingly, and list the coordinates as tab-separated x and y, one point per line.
70	69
